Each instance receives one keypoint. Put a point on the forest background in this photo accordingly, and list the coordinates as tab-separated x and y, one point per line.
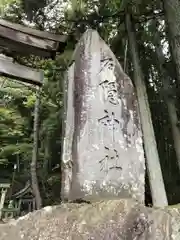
155	24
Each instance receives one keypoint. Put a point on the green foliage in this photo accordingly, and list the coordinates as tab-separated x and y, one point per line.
4	4
17	100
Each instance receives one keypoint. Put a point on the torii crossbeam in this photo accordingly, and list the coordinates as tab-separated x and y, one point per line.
25	40
20	72
22	40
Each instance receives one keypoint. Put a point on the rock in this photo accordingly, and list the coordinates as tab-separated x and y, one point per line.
105	220
103	156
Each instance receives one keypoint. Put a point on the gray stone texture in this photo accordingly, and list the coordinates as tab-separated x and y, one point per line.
103	156
105	220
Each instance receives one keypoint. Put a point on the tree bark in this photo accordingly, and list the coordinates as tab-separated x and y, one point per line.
172	14
34	178
169	100
157	187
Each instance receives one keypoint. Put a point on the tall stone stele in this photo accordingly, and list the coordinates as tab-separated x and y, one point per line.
102	150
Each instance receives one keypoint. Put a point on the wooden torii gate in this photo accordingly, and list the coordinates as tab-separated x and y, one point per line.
17	39
21	40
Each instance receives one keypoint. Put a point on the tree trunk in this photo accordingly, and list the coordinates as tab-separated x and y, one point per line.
158	192
34	178
172	13
169	101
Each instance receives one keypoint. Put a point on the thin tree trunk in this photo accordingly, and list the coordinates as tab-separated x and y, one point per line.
34	178
158	192
172	14
169	101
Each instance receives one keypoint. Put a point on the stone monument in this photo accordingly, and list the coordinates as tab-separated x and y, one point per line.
103	155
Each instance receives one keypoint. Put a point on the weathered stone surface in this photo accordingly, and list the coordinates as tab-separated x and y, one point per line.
102	154
105	220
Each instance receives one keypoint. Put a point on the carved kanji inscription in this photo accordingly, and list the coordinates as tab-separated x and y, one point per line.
110	161
109	120
101	137
108	81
